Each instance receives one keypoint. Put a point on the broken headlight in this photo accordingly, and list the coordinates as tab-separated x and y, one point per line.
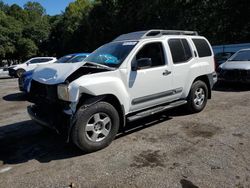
63	92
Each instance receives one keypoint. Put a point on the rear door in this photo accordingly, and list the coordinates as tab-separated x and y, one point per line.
183	59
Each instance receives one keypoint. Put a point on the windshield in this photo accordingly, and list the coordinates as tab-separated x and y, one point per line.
64	59
112	54
241	56
77	59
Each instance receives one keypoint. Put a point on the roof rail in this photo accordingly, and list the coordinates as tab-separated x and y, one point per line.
158	33
152	33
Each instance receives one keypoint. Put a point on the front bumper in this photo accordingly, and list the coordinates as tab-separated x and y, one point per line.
52	118
12	72
21	83
33	115
235	75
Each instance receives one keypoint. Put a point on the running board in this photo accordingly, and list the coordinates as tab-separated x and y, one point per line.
155	110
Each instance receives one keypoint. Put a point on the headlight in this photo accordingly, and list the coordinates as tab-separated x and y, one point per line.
63	92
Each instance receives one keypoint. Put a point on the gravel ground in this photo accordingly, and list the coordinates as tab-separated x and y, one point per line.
172	149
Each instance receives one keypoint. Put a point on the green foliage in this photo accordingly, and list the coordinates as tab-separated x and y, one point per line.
26	48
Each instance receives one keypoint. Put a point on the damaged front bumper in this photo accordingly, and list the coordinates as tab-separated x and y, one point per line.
53	118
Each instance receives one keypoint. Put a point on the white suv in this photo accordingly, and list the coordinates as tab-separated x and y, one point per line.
18	70
134	76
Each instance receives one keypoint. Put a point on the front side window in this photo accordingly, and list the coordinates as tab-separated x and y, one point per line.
112	54
241	56
180	50
154	51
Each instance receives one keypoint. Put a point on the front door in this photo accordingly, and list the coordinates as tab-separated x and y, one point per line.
152	85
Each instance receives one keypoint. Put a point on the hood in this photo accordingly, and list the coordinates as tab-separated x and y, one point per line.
245	65
55	73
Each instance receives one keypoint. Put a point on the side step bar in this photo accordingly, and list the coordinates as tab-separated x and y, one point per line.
155	110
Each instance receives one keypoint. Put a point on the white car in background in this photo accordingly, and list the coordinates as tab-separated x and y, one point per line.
31	64
4	72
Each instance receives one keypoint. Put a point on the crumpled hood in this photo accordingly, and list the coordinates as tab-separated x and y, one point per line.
55	73
245	65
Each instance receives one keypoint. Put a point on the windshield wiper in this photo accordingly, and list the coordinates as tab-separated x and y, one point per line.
96	65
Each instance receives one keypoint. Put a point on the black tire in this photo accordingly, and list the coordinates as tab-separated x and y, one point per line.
193	105
19	73
82	138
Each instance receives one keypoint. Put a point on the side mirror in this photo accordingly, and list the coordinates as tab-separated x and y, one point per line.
27	63
142	63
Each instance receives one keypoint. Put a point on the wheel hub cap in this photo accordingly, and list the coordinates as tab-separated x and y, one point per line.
98	127
199	97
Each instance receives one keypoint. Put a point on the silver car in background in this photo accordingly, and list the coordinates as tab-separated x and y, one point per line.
236	68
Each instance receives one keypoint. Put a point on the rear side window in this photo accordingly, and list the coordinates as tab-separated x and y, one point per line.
202	47
180	50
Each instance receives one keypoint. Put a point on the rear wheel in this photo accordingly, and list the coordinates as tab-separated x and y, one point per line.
95	127
19	72
197	98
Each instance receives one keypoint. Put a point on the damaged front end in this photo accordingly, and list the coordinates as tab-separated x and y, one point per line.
51	108
48	110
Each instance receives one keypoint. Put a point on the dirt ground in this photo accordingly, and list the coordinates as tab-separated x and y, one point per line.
172	149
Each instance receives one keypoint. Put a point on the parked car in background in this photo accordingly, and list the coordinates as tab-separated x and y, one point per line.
26	77
222	57
74	58
236	68
31	64
4	72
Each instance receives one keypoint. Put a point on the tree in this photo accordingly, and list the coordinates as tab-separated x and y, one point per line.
34	7
26	48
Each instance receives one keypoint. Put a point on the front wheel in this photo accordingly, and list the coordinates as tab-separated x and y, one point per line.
197	98
96	126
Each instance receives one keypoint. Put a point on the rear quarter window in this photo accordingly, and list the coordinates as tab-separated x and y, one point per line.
202	47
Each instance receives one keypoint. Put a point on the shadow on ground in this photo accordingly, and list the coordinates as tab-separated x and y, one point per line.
15	97
231	87
24	141
5	77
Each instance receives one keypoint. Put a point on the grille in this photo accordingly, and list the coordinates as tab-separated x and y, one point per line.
236	74
42	92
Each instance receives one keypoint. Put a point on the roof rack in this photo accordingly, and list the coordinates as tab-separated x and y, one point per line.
158	33
152	33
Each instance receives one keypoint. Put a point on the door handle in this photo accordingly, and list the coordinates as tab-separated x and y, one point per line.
166	72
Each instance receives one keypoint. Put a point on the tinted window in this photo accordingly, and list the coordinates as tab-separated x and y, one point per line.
154	51
180	50
202	47
241	56
42	60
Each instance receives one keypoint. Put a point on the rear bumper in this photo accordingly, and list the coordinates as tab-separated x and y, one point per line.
212	79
